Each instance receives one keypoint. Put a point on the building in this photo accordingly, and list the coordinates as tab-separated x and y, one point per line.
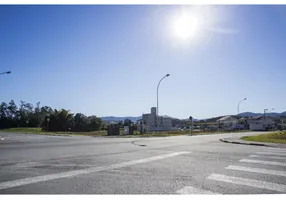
165	123
148	122
230	123
261	123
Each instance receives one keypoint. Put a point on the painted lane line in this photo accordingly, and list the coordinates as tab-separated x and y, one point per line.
275	150
271	153
271	157
263	162
192	190
37	179
248	182
257	170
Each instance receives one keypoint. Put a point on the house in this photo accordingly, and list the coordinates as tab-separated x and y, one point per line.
261	123
228	121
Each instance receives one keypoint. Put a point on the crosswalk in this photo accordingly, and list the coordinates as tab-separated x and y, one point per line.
264	170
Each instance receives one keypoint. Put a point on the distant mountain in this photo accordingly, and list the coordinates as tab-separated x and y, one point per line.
133	119
250	114
283	114
213	119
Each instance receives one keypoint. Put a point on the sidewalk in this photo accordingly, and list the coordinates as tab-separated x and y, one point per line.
239	141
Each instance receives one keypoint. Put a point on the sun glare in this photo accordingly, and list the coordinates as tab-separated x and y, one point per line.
187	26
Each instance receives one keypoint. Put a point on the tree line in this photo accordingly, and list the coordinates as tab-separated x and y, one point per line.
47	118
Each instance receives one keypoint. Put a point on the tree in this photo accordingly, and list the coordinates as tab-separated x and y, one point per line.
47	118
95	123
120	123
80	122
4	115
127	122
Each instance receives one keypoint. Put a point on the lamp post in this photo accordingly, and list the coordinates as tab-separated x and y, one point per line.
8	72
157	110
239	104
266	110
264	113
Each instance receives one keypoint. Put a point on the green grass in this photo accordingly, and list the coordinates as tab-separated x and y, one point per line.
277	137
23	129
39	131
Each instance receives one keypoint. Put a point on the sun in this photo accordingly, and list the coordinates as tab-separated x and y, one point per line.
186	26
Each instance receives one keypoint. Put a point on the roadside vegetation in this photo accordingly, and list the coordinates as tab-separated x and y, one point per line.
40	131
39	119
277	137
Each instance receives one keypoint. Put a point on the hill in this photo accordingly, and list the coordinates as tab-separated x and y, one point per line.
250	114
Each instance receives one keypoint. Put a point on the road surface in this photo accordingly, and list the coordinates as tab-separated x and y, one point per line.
35	164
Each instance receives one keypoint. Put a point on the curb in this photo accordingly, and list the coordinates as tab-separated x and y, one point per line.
47	134
244	143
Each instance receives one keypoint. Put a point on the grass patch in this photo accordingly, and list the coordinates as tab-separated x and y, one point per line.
23	130
277	137
39	131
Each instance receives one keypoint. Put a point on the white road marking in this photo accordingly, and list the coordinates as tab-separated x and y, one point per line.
275	150
26	181
257	170
263	162
249	182
192	190
35	164
271	157
271	153
28	164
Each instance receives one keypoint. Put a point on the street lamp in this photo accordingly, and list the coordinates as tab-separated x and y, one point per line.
157	110
239	104
265	112
8	72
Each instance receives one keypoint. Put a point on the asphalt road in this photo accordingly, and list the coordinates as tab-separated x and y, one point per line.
35	164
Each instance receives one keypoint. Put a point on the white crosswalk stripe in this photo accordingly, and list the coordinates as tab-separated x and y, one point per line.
275	150
257	170
272	157
263	162
267	157
192	190
248	182
271	153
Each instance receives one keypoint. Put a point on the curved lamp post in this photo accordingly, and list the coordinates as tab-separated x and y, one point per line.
239	104
8	72
266	110
157	110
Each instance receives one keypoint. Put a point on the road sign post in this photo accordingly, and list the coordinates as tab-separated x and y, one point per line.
191	119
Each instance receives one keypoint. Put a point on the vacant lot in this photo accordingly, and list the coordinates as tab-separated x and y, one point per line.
278	137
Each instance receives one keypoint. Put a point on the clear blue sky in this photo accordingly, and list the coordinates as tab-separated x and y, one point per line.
107	60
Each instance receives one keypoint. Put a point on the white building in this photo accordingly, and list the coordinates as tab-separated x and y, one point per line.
261	123
228	121
148	122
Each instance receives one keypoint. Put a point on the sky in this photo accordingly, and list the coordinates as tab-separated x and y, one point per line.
107	60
